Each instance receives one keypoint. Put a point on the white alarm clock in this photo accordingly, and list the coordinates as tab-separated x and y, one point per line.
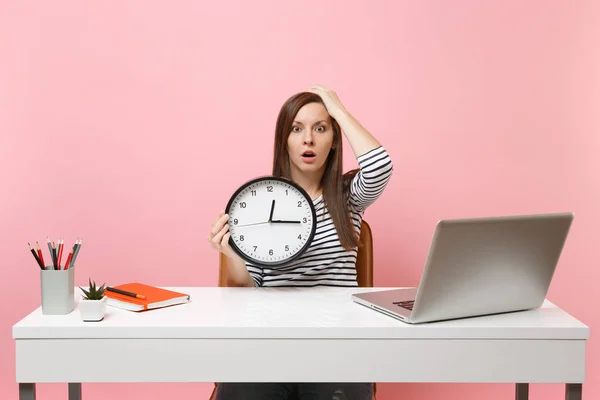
272	221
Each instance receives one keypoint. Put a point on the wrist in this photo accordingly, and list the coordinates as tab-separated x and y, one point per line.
344	119
342	114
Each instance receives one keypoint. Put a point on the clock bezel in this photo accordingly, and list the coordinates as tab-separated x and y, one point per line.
311	235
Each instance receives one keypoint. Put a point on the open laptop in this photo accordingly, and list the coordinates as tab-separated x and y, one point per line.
480	266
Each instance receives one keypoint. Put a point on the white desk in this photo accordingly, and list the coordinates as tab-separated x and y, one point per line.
247	334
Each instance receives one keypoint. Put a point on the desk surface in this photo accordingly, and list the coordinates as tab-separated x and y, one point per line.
301	313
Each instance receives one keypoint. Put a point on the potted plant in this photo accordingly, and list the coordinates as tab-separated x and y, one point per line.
93	304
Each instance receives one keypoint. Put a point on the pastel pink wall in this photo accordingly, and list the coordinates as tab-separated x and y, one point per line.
130	125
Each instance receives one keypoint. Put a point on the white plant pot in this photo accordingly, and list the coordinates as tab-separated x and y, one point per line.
92	310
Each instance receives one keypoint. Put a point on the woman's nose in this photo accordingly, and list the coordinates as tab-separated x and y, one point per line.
308	138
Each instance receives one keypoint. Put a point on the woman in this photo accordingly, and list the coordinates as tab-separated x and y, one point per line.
308	150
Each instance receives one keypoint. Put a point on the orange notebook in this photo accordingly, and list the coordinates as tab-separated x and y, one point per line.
155	297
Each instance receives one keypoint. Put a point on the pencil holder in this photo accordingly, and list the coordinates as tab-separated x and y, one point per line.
58	289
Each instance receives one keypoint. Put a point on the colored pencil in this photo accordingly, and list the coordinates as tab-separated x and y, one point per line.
61	243
54	254
39	251
37	259
126	293
50	249
68	259
76	251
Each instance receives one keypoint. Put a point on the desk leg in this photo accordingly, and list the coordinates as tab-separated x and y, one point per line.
522	391
26	391
573	391
74	391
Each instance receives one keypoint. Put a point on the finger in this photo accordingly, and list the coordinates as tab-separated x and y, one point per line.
224	220
215	246
215	224
224	244
225	241
218	225
217	238
328	91
322	91
219	215
219	235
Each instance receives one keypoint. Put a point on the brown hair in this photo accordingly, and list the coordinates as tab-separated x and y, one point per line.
334	183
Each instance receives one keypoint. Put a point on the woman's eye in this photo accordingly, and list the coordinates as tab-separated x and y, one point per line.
321	128
295	129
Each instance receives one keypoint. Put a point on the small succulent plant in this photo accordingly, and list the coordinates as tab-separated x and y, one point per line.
93	292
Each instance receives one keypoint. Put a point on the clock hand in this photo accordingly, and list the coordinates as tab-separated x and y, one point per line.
279	221
272	208
256	223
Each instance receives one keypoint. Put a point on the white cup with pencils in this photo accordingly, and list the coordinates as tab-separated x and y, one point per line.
57	280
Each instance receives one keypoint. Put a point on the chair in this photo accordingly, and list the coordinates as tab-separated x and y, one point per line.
364	271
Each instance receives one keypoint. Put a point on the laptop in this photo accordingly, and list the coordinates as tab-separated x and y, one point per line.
480	266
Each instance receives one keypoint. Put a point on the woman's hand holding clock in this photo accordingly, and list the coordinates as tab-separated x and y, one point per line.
237	273
245	232
219	236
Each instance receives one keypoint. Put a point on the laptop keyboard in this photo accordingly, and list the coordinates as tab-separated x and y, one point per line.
408	304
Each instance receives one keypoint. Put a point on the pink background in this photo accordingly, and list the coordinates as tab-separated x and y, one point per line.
131	125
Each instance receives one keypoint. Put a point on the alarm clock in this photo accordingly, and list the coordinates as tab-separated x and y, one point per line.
272	221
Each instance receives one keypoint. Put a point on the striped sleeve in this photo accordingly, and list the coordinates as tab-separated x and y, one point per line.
256	273
373	176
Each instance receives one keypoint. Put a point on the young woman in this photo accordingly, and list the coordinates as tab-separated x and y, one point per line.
308	150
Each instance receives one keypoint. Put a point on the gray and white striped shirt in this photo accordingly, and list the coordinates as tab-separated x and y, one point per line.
326	262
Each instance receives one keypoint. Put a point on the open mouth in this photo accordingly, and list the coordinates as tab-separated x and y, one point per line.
308	154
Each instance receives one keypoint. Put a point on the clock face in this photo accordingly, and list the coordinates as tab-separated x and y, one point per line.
272	221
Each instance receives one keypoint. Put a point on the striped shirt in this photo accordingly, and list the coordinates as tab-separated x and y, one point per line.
326	262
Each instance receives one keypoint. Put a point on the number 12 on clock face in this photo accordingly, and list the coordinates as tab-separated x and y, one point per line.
272	221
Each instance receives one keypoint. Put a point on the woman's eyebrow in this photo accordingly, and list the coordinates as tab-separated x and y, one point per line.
318	122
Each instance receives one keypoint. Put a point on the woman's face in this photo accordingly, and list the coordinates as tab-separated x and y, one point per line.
310	139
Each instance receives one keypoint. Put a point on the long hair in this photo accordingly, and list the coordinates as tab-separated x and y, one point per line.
334	183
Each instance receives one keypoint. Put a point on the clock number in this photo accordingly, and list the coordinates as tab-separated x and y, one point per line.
253	192
299	203
287	248
286	192
300	237
304	219
269	188
243	204
241	238
235	221
270	252
255	247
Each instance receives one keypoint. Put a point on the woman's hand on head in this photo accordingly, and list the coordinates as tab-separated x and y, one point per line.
334	106
219	234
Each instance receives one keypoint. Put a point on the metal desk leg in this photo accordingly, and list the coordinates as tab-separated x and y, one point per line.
26	391
573	391
74	391
522	391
